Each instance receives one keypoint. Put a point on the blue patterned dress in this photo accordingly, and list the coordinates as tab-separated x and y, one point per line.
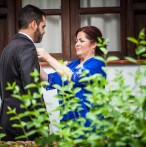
94	66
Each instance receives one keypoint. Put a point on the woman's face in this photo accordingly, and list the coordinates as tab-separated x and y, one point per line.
84	47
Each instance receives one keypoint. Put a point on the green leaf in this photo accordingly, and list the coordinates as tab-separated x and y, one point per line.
14	84
131	60
30	133
16	96
99	40
77	90
29	86
104	50
105	41
17	89
17	125
142	42
112	58
35	73
100	58
141	34
11	111
44	83
132	39
143	55
57	87
140	50
2	135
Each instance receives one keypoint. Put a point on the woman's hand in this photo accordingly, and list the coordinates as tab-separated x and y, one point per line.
42	54
61	69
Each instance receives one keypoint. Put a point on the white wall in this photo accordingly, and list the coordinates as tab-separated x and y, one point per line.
52	102
127	69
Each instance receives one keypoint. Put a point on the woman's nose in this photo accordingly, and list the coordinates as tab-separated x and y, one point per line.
77	43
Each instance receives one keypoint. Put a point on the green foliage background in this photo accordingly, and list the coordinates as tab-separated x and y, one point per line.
123	107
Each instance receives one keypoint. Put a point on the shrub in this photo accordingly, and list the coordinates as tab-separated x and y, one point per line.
123	107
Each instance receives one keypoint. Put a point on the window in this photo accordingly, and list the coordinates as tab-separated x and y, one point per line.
56	39
117	19
108	16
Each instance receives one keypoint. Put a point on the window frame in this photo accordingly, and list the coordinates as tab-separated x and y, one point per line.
70	19
64	13
77	11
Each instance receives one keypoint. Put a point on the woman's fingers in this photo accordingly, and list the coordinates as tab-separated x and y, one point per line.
42	54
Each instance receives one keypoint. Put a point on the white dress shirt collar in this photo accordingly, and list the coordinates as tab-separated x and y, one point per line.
27	36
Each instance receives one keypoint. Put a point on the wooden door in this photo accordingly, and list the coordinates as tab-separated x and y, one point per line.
7	22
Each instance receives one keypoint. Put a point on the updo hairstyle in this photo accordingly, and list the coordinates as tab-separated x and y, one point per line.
92	33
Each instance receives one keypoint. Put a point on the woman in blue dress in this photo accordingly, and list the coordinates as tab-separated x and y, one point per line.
86	50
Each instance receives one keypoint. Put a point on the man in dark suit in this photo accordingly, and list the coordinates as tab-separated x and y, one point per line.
17	61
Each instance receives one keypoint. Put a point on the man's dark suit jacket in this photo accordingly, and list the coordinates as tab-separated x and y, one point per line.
17	61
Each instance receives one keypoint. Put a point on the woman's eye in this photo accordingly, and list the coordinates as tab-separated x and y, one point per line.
79	41
82	41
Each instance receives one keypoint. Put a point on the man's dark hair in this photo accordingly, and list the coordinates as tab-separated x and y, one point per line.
28	14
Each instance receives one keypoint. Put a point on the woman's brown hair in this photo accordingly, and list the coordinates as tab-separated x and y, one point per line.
92	33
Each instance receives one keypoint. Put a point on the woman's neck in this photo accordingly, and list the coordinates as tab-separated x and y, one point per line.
85	59
82	60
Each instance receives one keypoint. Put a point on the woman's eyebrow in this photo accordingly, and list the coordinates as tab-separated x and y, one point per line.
81	38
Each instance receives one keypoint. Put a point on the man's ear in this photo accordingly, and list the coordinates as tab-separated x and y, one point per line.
33	25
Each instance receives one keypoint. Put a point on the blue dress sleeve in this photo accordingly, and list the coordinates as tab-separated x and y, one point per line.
93	66
53	78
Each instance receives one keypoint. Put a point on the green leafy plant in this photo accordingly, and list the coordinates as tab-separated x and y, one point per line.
123	107
2	134
140	43
34	109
